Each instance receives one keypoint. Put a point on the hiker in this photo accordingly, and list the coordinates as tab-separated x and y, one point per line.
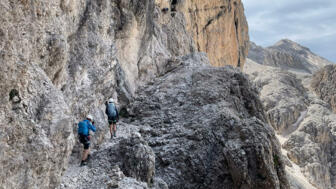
84	128
113	117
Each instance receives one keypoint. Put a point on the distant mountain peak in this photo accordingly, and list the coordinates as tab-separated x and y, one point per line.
290	45
285	41
288	55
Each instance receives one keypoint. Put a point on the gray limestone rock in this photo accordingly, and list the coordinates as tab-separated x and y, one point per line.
305	124
207	128
324	85
282	94
138	159
312	146
60	60
132	154
35	129
200	129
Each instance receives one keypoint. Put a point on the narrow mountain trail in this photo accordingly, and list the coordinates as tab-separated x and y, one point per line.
99	174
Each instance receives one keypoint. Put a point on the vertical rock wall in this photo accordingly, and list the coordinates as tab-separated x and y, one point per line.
323	84
35	120
219	28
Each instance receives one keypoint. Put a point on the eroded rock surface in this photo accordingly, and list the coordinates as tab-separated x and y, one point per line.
312	145
35	129
282	93
324	85
305	124
136	157
207	128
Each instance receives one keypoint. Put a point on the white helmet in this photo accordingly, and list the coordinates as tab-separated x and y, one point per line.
90	117
111	100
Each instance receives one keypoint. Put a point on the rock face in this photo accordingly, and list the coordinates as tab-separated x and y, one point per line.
218	27
323	84
282	94
287	55
35	129
62	59
304	123
207	128
312	145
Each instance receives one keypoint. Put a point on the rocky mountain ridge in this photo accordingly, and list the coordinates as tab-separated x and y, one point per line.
202	125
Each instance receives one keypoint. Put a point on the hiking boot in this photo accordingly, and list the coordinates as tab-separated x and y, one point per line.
88	158
83	163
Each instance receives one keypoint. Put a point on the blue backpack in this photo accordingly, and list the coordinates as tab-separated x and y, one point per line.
111	110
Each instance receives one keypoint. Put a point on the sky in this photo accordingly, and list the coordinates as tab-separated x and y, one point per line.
311	23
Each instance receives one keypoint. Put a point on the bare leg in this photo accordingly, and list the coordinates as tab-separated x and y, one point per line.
85	154
111	130
115	128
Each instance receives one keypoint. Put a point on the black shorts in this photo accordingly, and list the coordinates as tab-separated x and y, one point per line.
112	120
85	140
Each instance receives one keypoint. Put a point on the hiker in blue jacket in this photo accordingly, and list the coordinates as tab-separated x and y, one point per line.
84	128
113	116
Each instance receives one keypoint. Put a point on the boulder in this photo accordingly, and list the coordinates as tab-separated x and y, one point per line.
133	155
138	159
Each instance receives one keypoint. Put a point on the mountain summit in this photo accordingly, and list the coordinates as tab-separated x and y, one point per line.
290	46
288	55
